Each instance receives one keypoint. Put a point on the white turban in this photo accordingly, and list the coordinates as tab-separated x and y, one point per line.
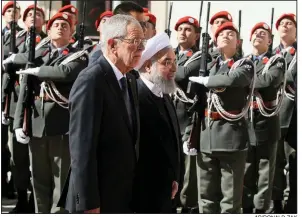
153	46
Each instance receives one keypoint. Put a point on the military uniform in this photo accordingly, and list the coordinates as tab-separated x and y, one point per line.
264	133
49	150
188	62
264	130
223	141
19	152
281	183
188	193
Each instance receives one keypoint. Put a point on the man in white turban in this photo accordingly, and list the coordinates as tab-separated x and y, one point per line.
158	173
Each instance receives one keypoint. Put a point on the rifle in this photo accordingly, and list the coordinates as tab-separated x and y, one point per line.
169	20
9	69
28	80
82	28
199	104
200	28
240	52
270	49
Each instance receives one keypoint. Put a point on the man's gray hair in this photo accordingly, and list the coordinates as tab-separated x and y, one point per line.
116	27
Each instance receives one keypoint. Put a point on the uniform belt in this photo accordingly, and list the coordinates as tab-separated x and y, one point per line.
45	98
269	104
217	116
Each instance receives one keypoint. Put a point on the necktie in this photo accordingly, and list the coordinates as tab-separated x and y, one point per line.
126	97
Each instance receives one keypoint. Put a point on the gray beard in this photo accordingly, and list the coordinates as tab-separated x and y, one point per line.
166	86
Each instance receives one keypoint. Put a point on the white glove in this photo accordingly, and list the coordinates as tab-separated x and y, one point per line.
21	137
30	71
187	151
200	80
9	59
5	121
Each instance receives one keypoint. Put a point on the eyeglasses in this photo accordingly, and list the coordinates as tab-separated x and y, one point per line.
135	41
168	63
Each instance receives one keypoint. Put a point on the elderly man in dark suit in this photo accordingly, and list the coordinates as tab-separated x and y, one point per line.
157	173
104	124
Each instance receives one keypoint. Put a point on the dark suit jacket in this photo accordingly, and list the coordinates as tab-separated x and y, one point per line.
159	161
95	54
103	147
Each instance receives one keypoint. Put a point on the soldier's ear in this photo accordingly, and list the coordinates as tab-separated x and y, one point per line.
269	42
197	36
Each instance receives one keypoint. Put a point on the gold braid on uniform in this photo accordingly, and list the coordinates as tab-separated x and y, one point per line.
214	99
179	93
291	95
280	94
49	88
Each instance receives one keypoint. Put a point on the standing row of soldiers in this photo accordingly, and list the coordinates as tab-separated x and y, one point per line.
238	154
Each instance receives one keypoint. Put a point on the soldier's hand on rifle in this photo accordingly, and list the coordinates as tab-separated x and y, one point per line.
21	137
8	60
29	71
189	151
5	121
200	80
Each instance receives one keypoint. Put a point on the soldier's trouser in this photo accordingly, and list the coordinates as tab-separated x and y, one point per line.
220	181
5	153
19	161
189	192
288	150
279	178
50	161
259	175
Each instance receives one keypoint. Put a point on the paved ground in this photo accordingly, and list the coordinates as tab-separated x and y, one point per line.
7	205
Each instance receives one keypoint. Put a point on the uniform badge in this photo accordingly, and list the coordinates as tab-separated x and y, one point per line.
247	66
72	9
229	17
65	16
265	26
280	64
191	20
83	58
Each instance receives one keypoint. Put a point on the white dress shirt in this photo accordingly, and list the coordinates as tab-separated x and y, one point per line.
116	71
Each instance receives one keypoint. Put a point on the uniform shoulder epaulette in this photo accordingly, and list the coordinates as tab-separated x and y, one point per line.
82	54
43	42
21	33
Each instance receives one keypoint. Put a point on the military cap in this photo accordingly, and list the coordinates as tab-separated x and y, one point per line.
223	14
261	25
8	5
226	25
187	19
31	7
152	18
69	8
288	16
62	16
104	14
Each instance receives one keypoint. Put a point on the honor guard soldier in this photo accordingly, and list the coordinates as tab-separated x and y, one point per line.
188	61
287	29
224	139
150	24
264	125
20	155
58	64
102	19
8	16
22	37
216	21
73	12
